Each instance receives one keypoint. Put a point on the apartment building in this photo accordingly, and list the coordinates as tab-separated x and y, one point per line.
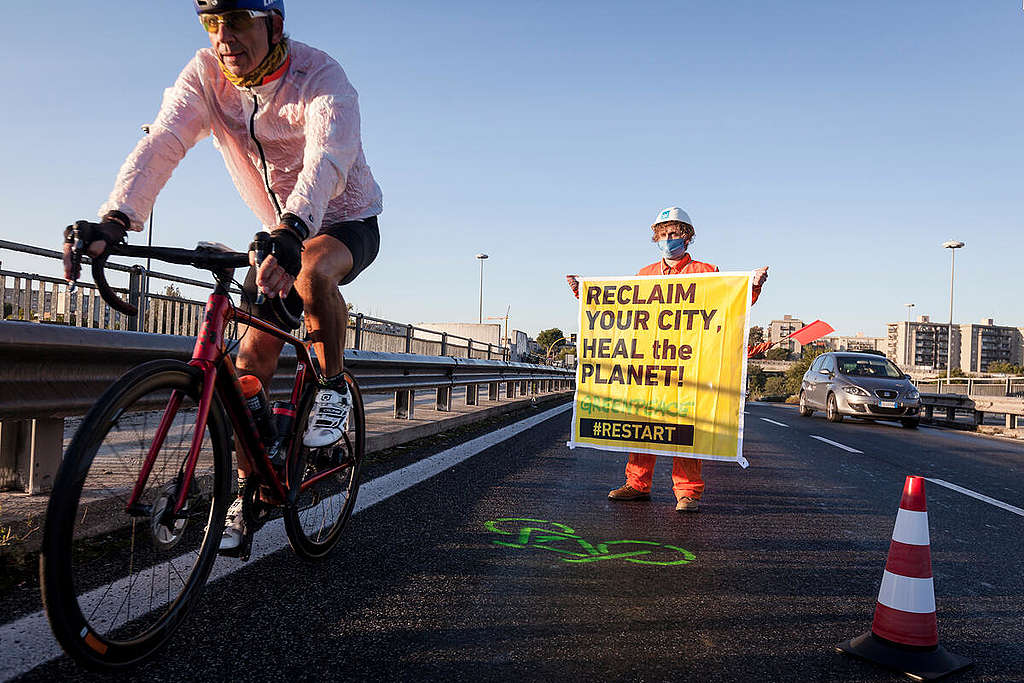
984	343
858	342
921	344
782	328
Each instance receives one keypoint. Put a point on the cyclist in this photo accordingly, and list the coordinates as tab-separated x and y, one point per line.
286	120
673	233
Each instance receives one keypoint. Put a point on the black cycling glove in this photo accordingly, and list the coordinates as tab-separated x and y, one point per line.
284	244
112	229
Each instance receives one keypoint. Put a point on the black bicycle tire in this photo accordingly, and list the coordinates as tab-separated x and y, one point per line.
69	625
301	543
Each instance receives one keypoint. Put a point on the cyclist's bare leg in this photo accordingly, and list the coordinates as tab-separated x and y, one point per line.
325	262
257	355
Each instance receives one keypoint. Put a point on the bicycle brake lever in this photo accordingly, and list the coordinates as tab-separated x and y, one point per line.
76	260
262	252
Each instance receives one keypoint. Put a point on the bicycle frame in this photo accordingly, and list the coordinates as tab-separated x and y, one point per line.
220	376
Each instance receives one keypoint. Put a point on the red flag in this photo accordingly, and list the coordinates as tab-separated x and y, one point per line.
812	332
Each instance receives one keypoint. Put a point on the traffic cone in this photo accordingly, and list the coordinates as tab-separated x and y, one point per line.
904	635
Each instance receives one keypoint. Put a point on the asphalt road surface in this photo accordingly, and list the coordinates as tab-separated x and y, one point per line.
782	562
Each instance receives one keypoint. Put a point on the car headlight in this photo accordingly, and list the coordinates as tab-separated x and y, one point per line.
856	391
914	395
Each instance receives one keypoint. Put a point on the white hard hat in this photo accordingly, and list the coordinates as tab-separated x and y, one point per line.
673	213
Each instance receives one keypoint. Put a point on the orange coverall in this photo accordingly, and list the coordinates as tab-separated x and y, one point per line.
686	479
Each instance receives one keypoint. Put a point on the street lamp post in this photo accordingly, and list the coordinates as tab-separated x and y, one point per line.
909	306
481	258
952	245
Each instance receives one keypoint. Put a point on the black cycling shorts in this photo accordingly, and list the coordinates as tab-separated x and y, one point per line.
362	239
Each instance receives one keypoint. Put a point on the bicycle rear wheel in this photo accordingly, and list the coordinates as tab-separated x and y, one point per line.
117	584
325	501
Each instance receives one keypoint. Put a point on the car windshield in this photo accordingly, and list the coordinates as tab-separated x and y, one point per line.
868	367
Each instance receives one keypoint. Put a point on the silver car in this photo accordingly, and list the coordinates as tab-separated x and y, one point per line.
862	385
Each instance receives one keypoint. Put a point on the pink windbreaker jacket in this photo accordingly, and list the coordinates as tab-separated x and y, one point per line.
291	145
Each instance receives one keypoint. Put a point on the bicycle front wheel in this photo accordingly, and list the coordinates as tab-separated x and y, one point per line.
328	479
117	582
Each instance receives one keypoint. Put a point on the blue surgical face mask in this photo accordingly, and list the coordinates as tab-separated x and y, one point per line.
672	248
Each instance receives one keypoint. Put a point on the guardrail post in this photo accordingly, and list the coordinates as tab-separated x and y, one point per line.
444	345
408	338
137	280
31	450
928	412
444	400
979	417
951	413
405	402
1011	421
493	391
510	389
357	340
472	394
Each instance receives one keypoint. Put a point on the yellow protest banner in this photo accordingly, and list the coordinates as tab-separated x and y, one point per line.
663	365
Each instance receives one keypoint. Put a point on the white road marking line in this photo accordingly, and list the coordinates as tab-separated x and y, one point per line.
974	494
28	641
773	422
836	444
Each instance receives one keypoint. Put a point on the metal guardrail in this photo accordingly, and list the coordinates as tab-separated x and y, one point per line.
39	298
977	406
974	386
52	372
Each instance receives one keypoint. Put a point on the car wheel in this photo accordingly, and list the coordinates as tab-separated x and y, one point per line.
910	423
832	410
804	410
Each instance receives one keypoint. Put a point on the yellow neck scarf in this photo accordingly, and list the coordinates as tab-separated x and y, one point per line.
271	63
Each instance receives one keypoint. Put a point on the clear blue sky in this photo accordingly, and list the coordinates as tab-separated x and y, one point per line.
839	143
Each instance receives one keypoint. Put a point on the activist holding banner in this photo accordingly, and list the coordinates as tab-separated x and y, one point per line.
673	233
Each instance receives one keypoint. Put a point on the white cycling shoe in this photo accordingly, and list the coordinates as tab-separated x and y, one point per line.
328	418
234	527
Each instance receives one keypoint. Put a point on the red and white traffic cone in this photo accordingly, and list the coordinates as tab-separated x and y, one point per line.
904	635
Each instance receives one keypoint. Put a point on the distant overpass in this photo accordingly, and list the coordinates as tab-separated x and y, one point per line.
772	367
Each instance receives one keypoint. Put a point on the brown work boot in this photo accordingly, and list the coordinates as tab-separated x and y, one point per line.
627	492
687	504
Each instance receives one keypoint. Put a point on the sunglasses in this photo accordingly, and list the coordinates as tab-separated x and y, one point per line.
235	20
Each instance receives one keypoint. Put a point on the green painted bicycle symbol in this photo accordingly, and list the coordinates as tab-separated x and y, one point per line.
564	540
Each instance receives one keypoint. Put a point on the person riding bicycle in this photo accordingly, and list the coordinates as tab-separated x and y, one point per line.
673	233
286	120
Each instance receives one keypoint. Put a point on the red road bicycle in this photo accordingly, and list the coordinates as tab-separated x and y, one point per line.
137	510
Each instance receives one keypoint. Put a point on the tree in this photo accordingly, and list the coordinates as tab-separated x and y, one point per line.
756	378
1005	368
756	335
548	337
776	386
778	353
